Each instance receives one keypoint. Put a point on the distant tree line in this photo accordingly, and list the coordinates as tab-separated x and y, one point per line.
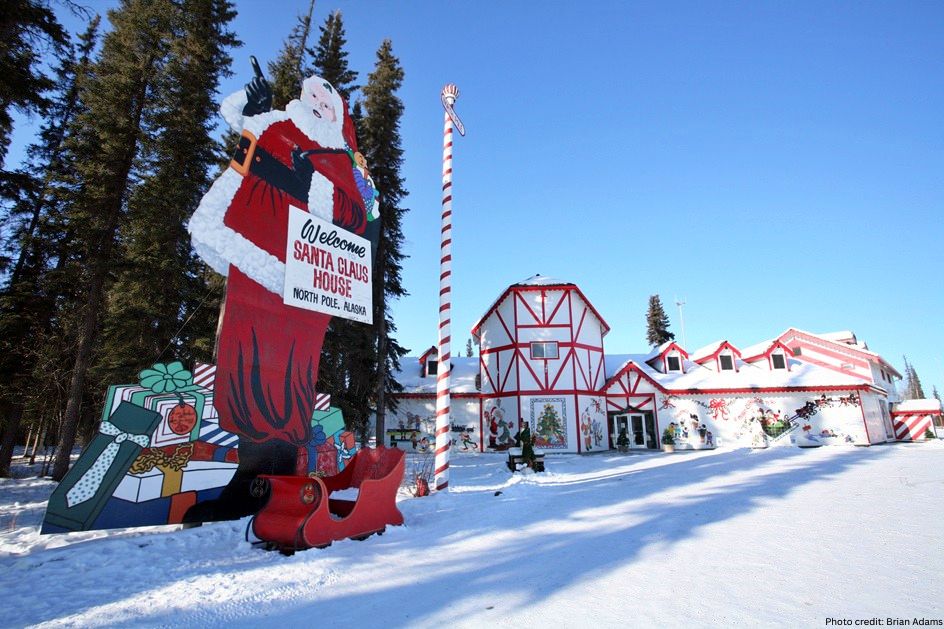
99	279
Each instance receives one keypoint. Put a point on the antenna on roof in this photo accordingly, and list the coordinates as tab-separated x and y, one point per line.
680	303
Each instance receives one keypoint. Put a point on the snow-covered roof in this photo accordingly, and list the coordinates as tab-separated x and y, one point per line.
542	280
918	406
758	349
707	350
711	349
461	380
748	376
655	352
843	336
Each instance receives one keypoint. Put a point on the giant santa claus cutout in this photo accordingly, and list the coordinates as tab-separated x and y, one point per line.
267	358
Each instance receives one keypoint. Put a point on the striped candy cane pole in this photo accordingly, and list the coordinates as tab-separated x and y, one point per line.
443	434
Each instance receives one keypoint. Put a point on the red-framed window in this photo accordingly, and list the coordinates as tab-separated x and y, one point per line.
546	350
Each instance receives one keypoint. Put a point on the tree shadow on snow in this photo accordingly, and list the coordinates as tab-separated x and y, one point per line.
642	508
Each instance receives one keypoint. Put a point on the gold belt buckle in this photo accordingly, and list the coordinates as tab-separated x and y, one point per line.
246	151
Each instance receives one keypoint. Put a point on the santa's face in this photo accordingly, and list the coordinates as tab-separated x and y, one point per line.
318	95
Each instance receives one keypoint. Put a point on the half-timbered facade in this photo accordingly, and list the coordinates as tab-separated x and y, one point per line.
542	361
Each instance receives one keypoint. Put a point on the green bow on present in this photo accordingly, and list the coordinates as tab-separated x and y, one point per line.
170	378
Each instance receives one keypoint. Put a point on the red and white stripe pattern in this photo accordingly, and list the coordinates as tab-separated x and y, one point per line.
322	401
203	375
443	435
911	426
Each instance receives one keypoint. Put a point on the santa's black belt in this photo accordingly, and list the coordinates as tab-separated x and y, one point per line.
249	157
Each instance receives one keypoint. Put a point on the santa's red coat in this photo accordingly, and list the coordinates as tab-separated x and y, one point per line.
268	352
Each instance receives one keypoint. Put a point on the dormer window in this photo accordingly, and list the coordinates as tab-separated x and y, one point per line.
432	367
673	363
544	350
778	361
726	362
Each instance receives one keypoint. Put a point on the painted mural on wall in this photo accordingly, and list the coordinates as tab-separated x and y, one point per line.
413	432
758	421
547	417
592	420
160	451
416	432
500	424
292	223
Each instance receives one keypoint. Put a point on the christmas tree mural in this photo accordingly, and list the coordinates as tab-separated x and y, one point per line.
550	426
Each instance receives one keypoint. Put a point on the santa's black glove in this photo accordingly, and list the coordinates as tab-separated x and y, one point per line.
303	167
258	92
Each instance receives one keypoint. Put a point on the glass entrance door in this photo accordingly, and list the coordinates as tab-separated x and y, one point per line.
618	423
637	433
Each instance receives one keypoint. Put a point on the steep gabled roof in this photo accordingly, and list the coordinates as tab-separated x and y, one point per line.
712	351
763	350
538	282
665	348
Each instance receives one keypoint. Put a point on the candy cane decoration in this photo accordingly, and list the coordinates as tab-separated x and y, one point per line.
443	435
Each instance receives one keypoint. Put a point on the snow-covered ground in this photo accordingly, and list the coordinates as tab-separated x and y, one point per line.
782	537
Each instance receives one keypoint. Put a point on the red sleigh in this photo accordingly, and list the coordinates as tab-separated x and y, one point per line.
301	513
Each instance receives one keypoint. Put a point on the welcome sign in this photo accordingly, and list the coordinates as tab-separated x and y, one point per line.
327	269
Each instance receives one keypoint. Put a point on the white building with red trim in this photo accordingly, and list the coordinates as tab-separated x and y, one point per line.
542	361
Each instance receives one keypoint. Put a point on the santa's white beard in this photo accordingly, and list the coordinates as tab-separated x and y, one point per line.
321	130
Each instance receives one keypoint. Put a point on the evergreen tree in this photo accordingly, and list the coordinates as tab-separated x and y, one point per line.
29	298
348	358
164	303
657	323
27	29
468	349
917	391
288	71
382	147
112	129
913	388
330	58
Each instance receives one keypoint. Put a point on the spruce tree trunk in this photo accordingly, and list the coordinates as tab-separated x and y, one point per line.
9	442
70	424
111	208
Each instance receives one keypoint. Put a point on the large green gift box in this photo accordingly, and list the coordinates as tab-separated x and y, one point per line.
82	494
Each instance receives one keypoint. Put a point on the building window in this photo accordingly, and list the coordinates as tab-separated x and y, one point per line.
432	366
797	351
727	362
672	363
544	349
779	361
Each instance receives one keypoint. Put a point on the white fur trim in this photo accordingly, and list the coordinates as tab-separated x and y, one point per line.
221	246
260	122
321	197
232	109
322	131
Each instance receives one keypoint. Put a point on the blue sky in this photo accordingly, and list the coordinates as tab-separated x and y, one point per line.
773	164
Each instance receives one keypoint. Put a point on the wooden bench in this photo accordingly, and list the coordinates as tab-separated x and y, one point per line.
516	460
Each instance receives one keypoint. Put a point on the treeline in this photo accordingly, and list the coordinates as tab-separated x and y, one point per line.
99	279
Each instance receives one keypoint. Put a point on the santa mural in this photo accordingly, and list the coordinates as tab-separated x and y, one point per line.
267	357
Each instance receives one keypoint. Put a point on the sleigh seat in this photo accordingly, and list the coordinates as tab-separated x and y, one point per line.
300	512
